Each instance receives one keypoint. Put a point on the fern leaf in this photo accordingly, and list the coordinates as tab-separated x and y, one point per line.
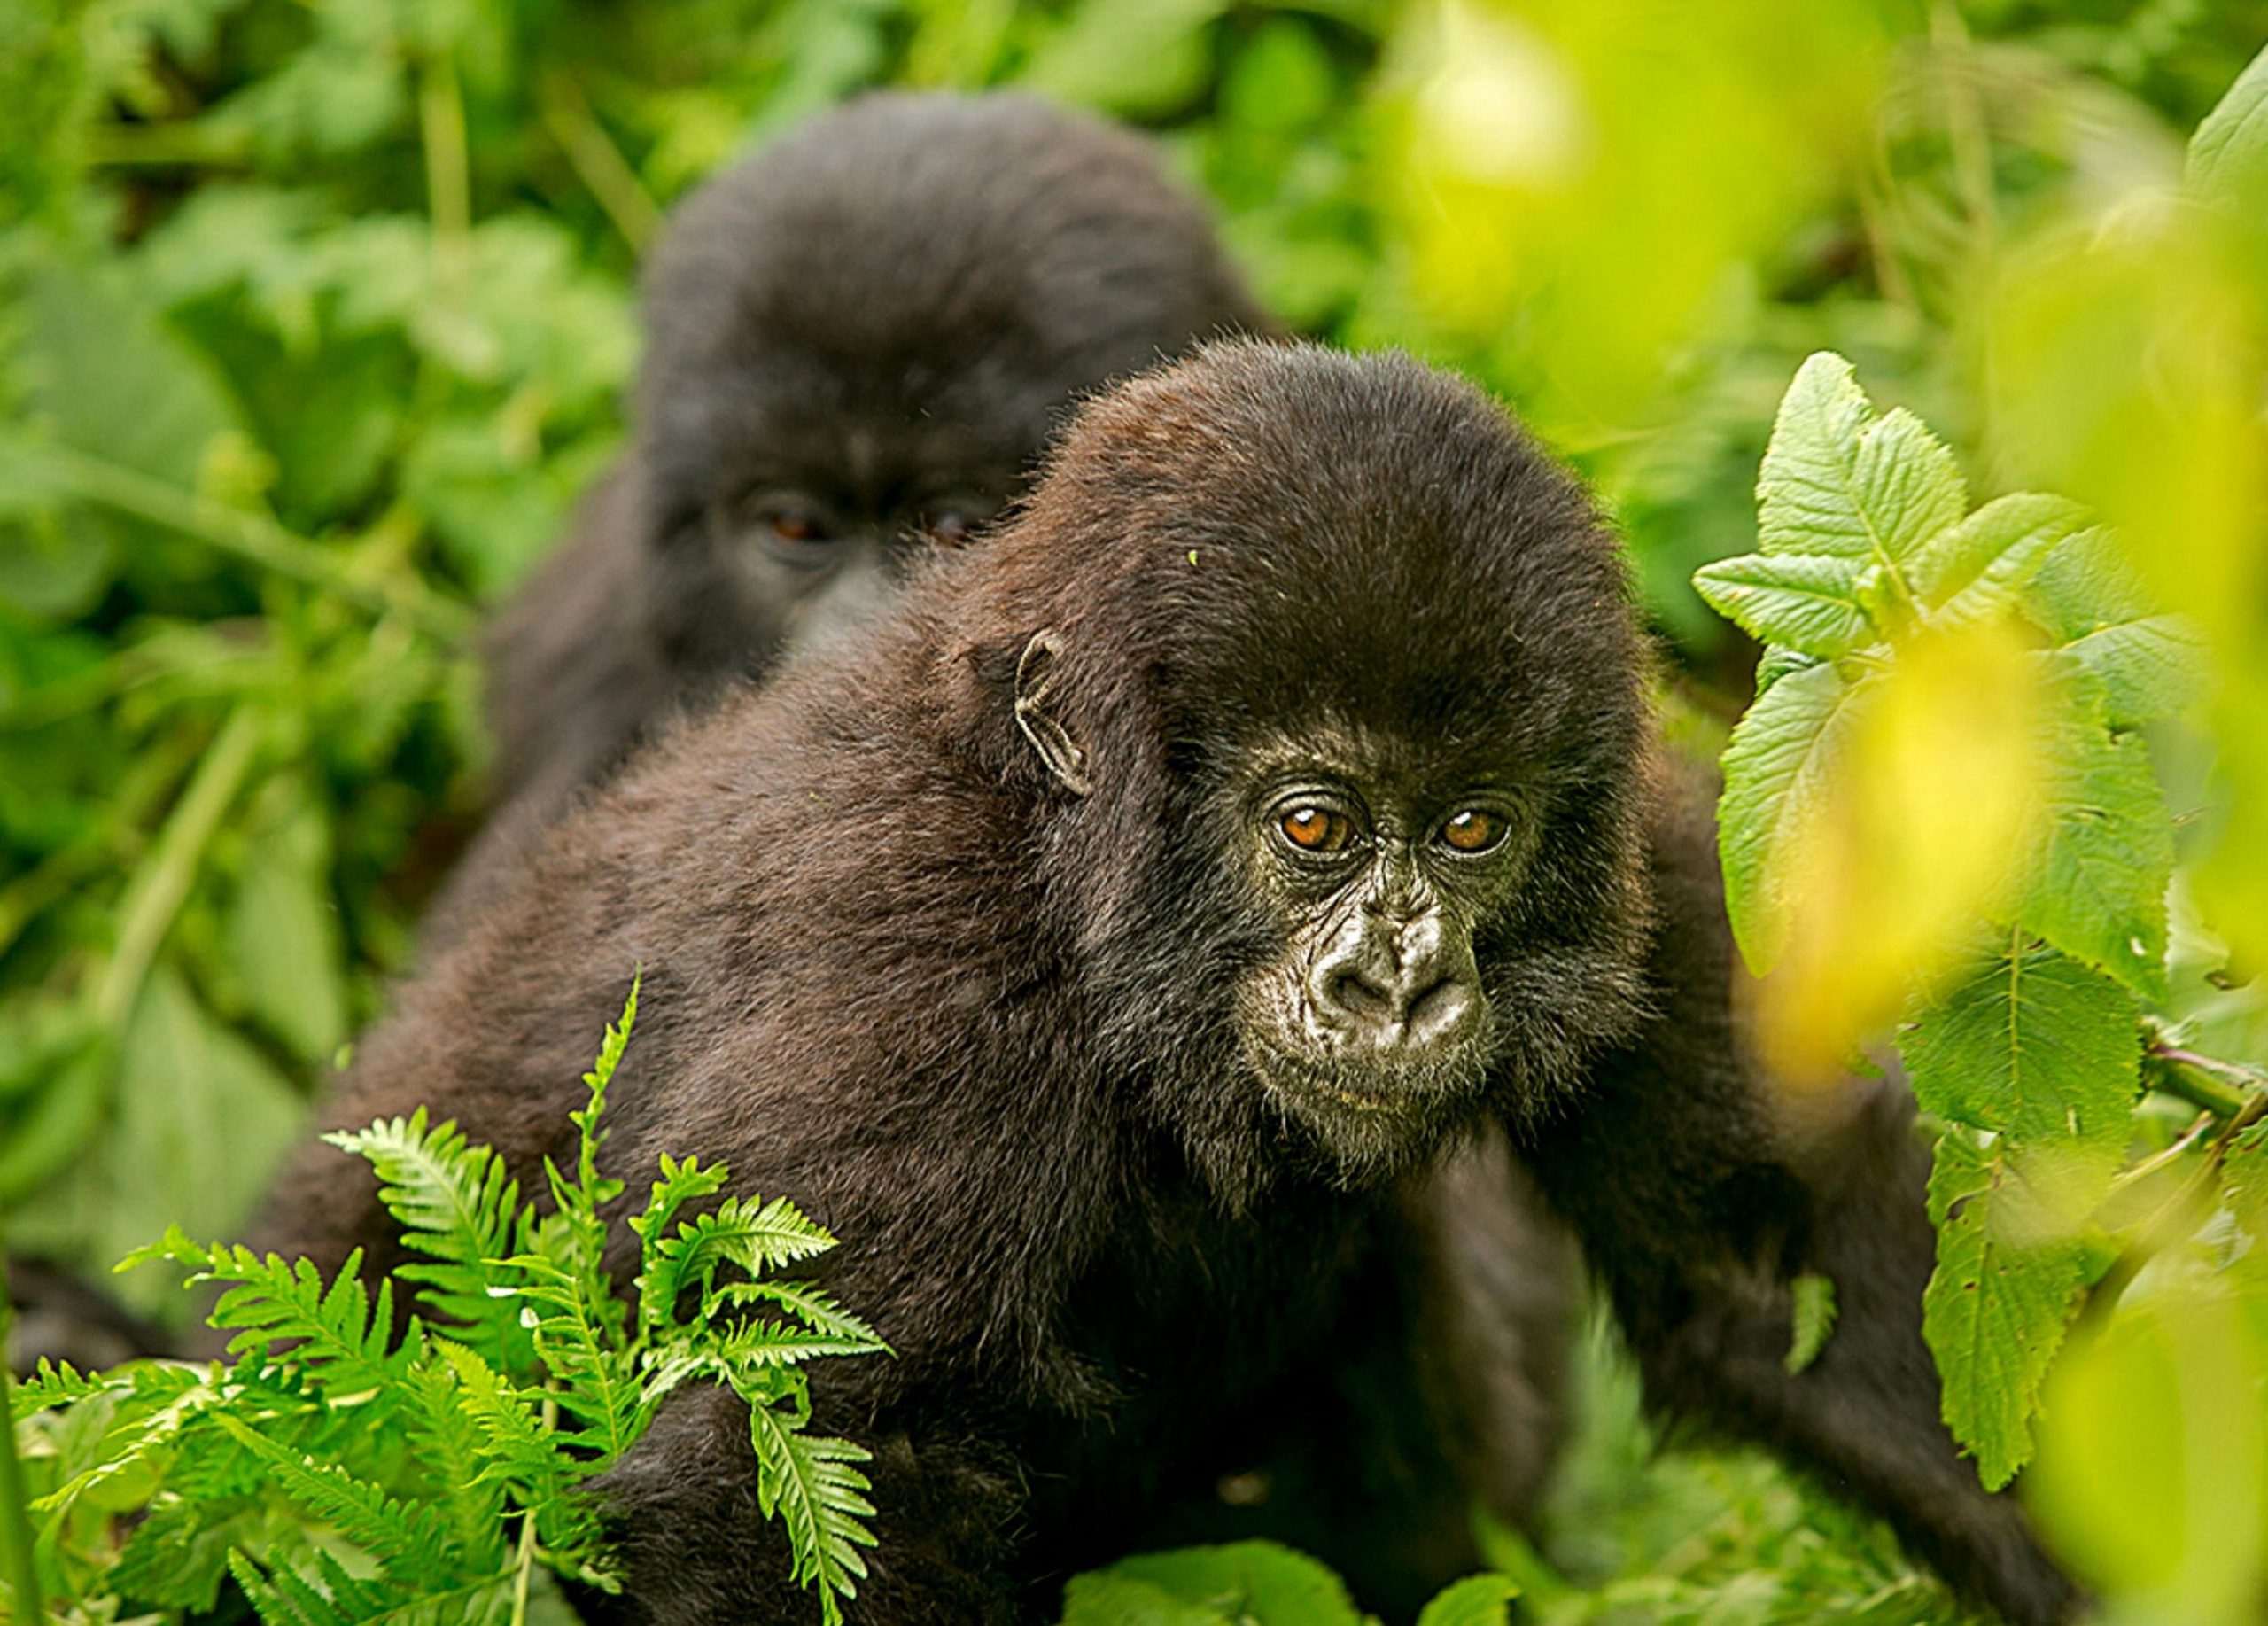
317	1590
519	1451
754	1343
601	1074
808	1482
814	1309
746	1233
595	1376
450	1453
458	1204
52	1384
690	1181
154	1402
337	1340
411	1541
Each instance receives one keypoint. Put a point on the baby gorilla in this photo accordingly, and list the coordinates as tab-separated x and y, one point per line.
858	341
1102	946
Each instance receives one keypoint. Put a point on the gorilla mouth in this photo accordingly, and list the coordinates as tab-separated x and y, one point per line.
1325	1097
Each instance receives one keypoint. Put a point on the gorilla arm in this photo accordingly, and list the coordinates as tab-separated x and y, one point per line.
1698	1209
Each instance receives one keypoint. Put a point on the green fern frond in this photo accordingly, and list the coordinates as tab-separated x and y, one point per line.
601	1074
339	1340
746	1234
760	1343
808	1482
814	1309
452	1455
458	1204
411	1541
317	1590
593	1376
177	1557
53	1384
518	1450
152	1403
690	1181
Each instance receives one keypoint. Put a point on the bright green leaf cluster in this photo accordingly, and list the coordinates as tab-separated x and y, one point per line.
2029	1053
349	1461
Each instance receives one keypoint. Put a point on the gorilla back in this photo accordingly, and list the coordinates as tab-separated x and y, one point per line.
1089	946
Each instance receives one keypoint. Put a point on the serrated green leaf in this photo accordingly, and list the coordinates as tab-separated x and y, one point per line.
1838	481
2035	1062
2096	889
1777	664
1256	1581
2088	600
1776	766
1977	568
1792	600
1477	1600
1102	1599
1995	1309
459	1208
2034	1046
2154	668
2228	156
1815	1319
808	1482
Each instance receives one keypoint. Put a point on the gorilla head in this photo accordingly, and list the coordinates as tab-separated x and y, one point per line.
1408	793
860	338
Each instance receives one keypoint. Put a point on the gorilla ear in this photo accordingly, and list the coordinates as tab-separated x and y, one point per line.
1037	673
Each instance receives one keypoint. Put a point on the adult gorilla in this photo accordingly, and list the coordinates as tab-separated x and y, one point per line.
1100	945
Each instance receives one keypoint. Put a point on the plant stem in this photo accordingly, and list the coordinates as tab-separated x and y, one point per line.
2178	1072
597	162
247	536
524	1568
164	882
449	168
16	1567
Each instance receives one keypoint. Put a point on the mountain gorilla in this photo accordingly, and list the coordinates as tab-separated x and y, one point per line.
1101	944
857	340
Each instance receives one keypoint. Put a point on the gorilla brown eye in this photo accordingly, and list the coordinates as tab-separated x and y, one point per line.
1472	830
1314	829
790	523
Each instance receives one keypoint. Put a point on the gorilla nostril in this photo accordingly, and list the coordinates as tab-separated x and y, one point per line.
1439	1012
1348	992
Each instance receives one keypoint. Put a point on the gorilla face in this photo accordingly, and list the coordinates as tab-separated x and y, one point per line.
862	337
1354	842
1368	1022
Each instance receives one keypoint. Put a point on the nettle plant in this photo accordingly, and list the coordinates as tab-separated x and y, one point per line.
1941	816
340	1473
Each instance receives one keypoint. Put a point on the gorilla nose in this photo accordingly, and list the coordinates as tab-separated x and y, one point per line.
1416	1006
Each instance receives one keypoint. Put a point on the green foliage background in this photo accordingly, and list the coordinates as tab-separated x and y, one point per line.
314	318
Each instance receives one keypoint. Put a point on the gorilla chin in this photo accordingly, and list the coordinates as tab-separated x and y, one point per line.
1372	1118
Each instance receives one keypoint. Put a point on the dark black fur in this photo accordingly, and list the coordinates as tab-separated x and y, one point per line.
989	1030
882	316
